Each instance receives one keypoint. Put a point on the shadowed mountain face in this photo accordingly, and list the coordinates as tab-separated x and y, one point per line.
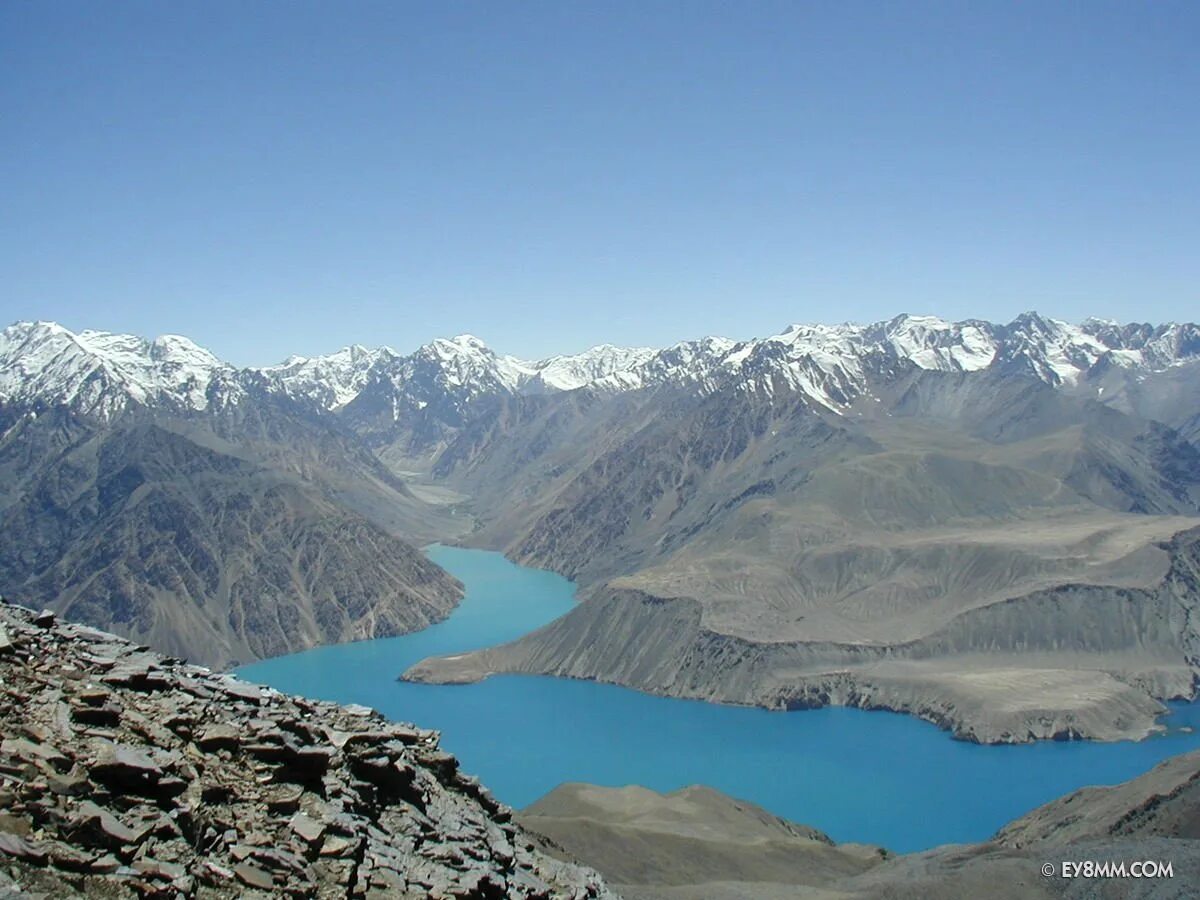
142	526
698	844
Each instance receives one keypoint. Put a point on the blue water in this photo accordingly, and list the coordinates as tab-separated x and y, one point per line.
875	777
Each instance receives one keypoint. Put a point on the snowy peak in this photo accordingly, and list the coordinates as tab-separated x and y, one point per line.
933	343
460	344
330	381
99	373
1142	345
566	373
466	362
465	366
336	380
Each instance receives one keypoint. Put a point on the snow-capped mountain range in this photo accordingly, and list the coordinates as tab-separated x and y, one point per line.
44	364
96	373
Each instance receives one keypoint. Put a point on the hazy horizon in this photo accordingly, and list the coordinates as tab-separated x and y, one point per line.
272	180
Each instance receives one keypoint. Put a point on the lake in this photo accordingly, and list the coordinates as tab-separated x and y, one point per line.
874	777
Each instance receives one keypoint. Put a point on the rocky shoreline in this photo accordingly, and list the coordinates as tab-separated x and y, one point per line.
127	774
1117	712
661	646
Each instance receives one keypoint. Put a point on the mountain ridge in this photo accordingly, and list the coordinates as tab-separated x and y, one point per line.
825	361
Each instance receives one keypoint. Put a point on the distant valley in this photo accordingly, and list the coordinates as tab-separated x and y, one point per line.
992	526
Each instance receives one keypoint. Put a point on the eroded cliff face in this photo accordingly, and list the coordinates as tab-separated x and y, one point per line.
1069	662
127	774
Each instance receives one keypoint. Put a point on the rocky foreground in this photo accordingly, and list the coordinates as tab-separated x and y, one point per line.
127	774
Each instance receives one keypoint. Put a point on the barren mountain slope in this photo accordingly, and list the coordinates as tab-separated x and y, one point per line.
962	546
698	844
693	837
136	528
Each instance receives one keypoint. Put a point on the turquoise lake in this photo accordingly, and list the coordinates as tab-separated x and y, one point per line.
874	777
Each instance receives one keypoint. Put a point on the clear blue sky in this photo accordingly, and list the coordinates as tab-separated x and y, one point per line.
270	178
